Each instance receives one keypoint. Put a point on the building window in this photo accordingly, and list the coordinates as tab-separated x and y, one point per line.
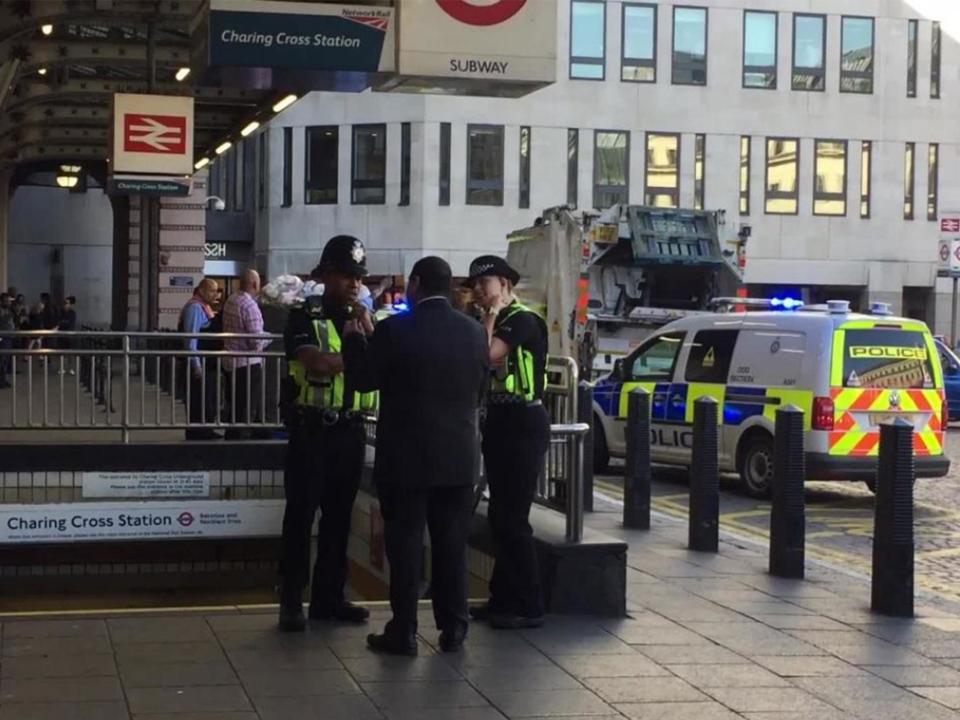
237	186
935	60
745	174
830	177
699	165
909	156
287	167
689	46
228	180
484	165
322	165
405	163
262	170
856	55
783	169
912	27
759	49
809	50
368	183
444	164
866	168
588	19
933	180
573	166
662	181
525	167
638	62
611	168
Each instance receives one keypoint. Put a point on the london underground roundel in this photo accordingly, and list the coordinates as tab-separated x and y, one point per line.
473	12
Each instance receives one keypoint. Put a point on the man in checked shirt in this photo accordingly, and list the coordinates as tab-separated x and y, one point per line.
242	315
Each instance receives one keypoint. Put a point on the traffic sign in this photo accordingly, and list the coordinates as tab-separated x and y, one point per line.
949	246
944	252
152	135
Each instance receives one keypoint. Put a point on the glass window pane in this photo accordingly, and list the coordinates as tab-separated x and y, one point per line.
933	180
745	175
689	46
912	58
699	160
639	32
484	165
587	39
322	165
404	163
866	167
525	167
573	166
935	60
760	49
782	171
369	164
663	155
856	58
287	167
908	179
586	72
444	164
830	178
808	49
611	168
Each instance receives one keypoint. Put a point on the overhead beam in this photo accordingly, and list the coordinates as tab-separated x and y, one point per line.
49	54
170	14
29	94
69	115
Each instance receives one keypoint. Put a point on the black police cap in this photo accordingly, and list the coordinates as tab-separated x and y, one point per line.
492	266
344	254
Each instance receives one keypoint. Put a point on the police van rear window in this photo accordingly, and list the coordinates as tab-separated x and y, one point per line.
881	358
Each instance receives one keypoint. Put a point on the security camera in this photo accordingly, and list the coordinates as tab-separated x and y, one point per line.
218	204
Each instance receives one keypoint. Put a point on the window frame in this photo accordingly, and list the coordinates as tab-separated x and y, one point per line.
626	62
610	188
827	196
866	173
706	45
699	159
405	152
287	197
646	168
306	165
745	191
679	335
910	181
776	52
524	168
823	52
936	57
573	167
368	184
933	181
873	55
443	179
767	196
470	183
913	26
582	59
718	378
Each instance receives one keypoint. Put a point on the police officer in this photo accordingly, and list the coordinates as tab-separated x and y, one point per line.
516	434
327	440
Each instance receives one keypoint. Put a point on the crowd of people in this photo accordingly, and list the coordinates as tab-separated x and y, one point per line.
16	315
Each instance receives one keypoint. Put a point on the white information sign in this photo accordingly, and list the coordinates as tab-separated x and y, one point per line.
949	247
83	522
146	484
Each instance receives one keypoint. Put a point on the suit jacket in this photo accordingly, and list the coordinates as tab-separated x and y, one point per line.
431	368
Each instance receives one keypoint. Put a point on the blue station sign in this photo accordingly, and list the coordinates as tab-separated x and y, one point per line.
298	35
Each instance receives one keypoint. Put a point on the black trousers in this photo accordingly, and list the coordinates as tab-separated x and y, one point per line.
515	440
322	472
446	512
203	395
237	387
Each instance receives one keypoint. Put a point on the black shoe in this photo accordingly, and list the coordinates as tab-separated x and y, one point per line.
480	613
291	619
509	621
203	434
451	642
345	611
391	646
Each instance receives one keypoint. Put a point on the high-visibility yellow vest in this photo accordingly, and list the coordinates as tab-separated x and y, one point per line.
327	394
516	376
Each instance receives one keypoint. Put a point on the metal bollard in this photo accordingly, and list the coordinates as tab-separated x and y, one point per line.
636	477
704	478
892	582
585	413
787	521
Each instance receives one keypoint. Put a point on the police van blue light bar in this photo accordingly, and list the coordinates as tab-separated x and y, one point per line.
787	303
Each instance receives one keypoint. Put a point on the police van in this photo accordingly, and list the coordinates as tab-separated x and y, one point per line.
847	372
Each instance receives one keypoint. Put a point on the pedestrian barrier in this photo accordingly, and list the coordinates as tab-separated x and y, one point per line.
893	546
787	511
704	532
636	480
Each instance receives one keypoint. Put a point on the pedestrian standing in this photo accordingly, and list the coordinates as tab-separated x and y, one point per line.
242	316
430	366
67	322
196	317
516	434
7	324
325	418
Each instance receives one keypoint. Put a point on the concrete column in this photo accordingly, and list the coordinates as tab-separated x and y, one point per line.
183	230
5	177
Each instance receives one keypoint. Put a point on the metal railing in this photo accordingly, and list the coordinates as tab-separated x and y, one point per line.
138	381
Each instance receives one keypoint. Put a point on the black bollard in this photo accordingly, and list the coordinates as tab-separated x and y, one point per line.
636	477
787	521
704	478
892	582
585	415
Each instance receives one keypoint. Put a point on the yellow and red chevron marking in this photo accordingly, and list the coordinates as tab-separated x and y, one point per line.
848	440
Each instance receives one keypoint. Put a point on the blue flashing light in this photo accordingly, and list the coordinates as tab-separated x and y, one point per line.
787	303
400	307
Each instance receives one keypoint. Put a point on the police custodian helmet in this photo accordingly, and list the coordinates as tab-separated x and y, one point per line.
492	266
344	254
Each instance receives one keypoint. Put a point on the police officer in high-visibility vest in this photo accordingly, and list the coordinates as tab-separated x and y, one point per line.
516	433
327	440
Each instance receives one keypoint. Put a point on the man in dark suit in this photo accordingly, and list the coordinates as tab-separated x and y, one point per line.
430	366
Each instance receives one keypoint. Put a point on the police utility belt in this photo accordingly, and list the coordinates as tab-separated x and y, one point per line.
510	399
326	417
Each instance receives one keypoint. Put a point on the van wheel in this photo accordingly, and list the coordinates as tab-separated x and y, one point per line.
756	465
601	453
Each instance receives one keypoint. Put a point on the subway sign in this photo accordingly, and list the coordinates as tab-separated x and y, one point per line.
308	36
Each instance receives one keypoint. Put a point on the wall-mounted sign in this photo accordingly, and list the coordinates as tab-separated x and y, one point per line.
152	134
146	185
215	251
309	36
507	40
185	281
145	484
84	522
949	246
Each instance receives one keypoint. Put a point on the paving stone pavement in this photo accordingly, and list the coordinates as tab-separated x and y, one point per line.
708	637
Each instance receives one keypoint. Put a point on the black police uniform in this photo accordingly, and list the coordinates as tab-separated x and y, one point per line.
516	435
